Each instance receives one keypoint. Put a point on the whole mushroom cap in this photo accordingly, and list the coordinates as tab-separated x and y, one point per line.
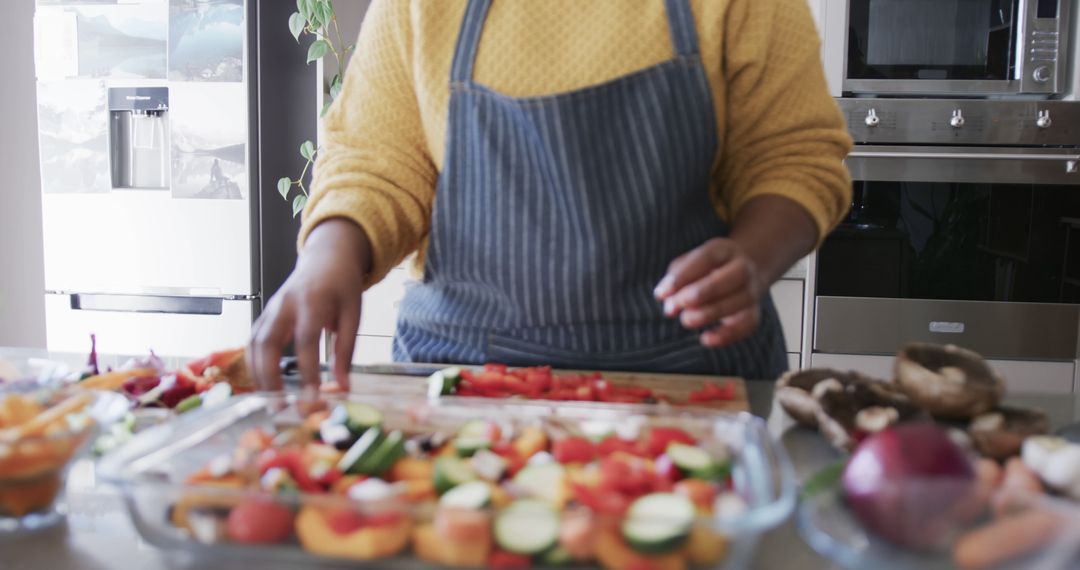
948	381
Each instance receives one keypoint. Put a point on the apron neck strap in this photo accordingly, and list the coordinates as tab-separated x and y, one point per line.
683	33
680	21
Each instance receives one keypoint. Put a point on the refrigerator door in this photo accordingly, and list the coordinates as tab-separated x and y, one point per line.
135	324
126	242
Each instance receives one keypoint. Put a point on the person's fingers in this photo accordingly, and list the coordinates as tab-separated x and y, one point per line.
712	313
268	340
690	267
733	329
309	327
345	342
723	281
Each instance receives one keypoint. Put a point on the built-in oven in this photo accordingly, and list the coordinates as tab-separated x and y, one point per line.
947	48
952	238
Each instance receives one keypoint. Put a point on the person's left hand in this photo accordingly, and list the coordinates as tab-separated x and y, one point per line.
715	287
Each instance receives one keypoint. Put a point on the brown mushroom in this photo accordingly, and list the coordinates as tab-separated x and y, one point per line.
798	391
948	381
1000	433
862	408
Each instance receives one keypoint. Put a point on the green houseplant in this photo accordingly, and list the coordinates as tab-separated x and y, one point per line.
316	18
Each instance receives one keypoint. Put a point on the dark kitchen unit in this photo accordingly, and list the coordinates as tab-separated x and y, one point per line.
964	229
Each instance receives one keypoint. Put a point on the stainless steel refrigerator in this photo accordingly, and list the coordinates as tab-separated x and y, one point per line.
160	123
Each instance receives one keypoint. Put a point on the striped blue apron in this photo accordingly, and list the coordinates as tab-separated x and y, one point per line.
555	216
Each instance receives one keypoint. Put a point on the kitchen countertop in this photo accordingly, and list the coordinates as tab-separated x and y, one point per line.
99	535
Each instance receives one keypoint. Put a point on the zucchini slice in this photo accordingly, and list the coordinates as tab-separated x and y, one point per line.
527	527
444	382
363	448
360	417
471	495
451	472
696	462
658	522
542	481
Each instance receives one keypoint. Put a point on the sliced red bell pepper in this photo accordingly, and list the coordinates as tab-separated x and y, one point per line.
601	501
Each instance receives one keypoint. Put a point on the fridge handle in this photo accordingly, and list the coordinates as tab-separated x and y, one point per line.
146	304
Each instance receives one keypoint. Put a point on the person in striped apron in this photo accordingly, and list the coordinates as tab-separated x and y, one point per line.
625	217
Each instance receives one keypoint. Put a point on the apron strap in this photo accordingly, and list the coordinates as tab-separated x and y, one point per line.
468	41
680	21
683	33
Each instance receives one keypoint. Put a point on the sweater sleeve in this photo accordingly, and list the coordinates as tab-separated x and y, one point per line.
785	135
374	166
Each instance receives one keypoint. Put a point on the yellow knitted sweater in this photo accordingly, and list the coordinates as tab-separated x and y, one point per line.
384	137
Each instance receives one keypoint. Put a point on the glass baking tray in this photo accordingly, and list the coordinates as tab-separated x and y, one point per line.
151	470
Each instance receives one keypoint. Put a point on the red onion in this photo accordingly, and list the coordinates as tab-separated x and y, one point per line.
912	485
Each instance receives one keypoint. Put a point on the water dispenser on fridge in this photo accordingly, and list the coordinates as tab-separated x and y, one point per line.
139	137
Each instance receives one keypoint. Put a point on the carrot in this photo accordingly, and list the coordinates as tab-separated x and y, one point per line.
1005	539
110	381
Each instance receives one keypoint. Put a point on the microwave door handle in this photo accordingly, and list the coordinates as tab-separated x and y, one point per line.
964	155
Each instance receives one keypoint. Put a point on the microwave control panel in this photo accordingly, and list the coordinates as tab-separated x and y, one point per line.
961	121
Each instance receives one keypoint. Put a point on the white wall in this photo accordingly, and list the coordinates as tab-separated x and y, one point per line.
22	304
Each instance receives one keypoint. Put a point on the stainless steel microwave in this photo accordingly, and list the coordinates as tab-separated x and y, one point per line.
948	48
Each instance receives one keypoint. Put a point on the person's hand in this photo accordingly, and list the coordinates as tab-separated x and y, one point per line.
715	287
323	292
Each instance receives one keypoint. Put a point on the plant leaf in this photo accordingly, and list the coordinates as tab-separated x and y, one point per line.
296	25
298	204
335	86
325	108
328	7
317	50
304	7
283	186
825	480
307	150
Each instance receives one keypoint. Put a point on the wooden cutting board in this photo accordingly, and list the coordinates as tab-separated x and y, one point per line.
675	387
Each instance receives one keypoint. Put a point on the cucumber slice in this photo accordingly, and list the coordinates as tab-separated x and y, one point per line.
658	522
543	481
471	495
360	417
190	403
488	465
557	556
468	446
364	447
443	382
696	462
451	472
527	527
389	450
473	436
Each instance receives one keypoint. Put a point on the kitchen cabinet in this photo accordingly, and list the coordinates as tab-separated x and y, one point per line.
787	295
1033	377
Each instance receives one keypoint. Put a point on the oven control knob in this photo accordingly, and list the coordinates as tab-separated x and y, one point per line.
957	120
1041	74
872	119
1043	122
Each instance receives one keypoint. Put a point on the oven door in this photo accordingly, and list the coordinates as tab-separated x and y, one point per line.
978	247
955	47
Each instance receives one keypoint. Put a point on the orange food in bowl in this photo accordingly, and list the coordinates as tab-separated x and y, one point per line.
36	444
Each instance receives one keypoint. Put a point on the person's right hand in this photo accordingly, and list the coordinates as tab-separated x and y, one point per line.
322	293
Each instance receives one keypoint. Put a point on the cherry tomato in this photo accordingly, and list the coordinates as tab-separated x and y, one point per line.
259	522
659	438
502	560
573	450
